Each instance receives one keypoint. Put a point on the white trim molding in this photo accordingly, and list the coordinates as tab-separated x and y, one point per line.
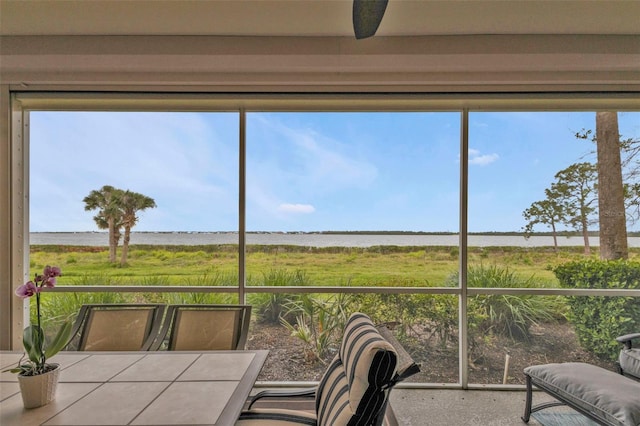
416	64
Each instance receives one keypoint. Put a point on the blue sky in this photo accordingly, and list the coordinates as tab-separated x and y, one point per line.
305	171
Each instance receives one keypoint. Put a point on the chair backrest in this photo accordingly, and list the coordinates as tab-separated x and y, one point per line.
118	327
355	388
205	327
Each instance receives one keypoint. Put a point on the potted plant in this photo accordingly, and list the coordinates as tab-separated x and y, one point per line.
37	377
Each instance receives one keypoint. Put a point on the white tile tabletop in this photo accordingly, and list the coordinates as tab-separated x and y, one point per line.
139	388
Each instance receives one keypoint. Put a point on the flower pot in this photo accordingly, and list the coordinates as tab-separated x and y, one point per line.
40	389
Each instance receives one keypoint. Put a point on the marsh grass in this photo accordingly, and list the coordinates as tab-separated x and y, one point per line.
218	265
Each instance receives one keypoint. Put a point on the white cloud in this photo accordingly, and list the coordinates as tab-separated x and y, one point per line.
296	208
315	160
481	124
475	157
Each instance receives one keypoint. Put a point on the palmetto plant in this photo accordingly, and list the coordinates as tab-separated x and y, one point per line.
506	314
270	306
318	322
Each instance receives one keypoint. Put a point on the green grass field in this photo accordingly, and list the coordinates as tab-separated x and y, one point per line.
218	265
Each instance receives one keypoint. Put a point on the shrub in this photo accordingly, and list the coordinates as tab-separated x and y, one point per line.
319	322
436	315
269	307
599	320
505	314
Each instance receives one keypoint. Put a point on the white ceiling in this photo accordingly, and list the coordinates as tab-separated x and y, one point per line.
315	17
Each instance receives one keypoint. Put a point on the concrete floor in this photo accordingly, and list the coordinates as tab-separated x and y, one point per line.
453	407
450	407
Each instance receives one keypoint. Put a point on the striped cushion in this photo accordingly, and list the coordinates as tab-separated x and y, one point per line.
275	417
355	387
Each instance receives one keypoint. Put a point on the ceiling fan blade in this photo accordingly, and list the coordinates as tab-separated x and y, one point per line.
367	15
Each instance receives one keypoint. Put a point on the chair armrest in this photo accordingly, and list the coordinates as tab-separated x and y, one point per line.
407	367
627	338
303	393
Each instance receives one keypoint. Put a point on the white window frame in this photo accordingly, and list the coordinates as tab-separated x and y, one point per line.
16	155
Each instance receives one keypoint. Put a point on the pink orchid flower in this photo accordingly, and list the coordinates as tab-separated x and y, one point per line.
49	282
52	271
49	276
27	290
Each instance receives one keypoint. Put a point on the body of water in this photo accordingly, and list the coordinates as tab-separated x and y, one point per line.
309	240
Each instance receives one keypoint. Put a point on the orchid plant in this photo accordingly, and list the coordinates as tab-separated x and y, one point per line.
37	349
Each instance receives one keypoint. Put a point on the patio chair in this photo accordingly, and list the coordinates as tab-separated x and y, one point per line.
354	389
204	327
629	359
116	327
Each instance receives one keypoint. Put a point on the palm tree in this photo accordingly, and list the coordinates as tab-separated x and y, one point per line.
130	203
106	201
